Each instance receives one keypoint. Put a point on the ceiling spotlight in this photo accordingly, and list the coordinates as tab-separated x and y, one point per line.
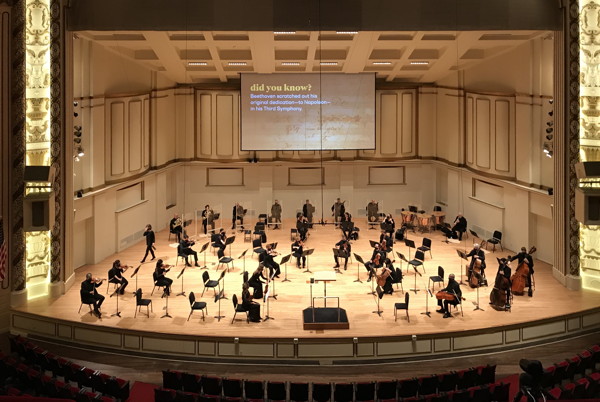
75	114
328	63
284	32
549	154
197	63
77	140
382	63
549	123
346	32
419	63
290	63
551	101
236	63
549	137
80	151
76	158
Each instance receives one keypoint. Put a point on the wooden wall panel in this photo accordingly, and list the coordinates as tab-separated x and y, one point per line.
204	141
224	128
407	121
502	136
469	127
115	150
482	134
388	133
146	132
225	176
135	135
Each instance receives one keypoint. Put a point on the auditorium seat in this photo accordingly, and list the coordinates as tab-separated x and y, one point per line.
190	383
209	398
164	395
321	392
365	391
299	391
467	378
480	393
254	389
182	396
426	385
232	387
387	389
487	374
344	392
211	385
276	391
172	379
447	381
501	391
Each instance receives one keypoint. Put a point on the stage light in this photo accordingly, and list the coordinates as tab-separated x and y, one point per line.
551	101
75	114
284	32
80	151
551	113
75	104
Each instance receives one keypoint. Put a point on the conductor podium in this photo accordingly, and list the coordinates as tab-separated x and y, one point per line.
325	317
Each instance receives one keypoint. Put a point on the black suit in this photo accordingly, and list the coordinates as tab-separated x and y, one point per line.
270	263
115	275
297	251
150	240
344	248
524	256
460	227
454	288
185	248
89	294
175	229
162	280
479	253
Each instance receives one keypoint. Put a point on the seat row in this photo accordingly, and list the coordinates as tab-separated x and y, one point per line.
68	370
584	388
361	391
579	365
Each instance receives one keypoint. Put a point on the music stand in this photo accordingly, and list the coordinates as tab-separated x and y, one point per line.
307	253
410	244
116	292
182	293
474	234
359	261
166	296
228	242
336	255
272	279
461	255
479	280
447	234
402	258
266	301
202	250
373	275
415	289
135	274
427	312
243	257
284	261
222	277
218	298
378	295
373	243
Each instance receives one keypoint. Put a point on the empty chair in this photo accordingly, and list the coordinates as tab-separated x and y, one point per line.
211	385
254	389
195	305
365	391
428	385
321	392
487	374
447	381
276	391
387	389
191	382
208	283
238	308
232	388
225	261
299	391
408	388
496	239
344	392
426	246
417	261
140	301
257	247
402	306
439	278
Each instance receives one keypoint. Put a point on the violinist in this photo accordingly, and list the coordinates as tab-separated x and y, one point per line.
477	257
269	262
176	227
375	262
159	276
90	295
150	240
460	226
185	248
252	307
453	289
525	256
344	248
115	275
208	218
297	250
256	282
302	227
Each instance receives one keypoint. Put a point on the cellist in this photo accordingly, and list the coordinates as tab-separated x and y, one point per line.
501	294
476	254
453	288
525	256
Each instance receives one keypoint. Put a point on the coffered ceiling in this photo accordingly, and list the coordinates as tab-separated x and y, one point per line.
219	56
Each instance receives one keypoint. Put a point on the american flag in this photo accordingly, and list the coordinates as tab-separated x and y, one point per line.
3	256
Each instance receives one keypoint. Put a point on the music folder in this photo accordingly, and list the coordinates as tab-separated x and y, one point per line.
136	271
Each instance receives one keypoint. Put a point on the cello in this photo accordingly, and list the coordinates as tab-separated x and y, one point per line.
499	294
474	280
519	278
381	278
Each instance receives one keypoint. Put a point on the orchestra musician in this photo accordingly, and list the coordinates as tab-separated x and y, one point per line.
460	226
525	256
307	211
346	217
252	307
302	225
220	243
185	248
385	237
159	276
115	275
276	214
476	254
390	224
176	227
150	240
453	288
387	274
344	248
372	211
338	210
238	214
208	218
297	250
90	295
256	281
269	262
502	282
376	262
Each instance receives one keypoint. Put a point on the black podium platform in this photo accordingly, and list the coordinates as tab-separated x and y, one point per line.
325	318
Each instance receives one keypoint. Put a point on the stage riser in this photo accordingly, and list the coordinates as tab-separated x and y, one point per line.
326	350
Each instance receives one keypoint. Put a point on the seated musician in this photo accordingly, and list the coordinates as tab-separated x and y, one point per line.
115	275
302	227
380	248
375	262
297	250
208	219
460	226
252	307
160	278
269	262
346	230
90	295
176	227
477	254
390	224
504	272
385	237
453	289
525	256
388	272
256	282
185	248
344	248
220	242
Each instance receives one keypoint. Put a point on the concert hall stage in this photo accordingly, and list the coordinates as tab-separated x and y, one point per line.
554	312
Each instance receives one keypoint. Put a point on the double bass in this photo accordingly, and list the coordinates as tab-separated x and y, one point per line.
519	278
499	294
474	280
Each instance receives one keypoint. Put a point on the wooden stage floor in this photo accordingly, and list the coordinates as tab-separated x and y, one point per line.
550	298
